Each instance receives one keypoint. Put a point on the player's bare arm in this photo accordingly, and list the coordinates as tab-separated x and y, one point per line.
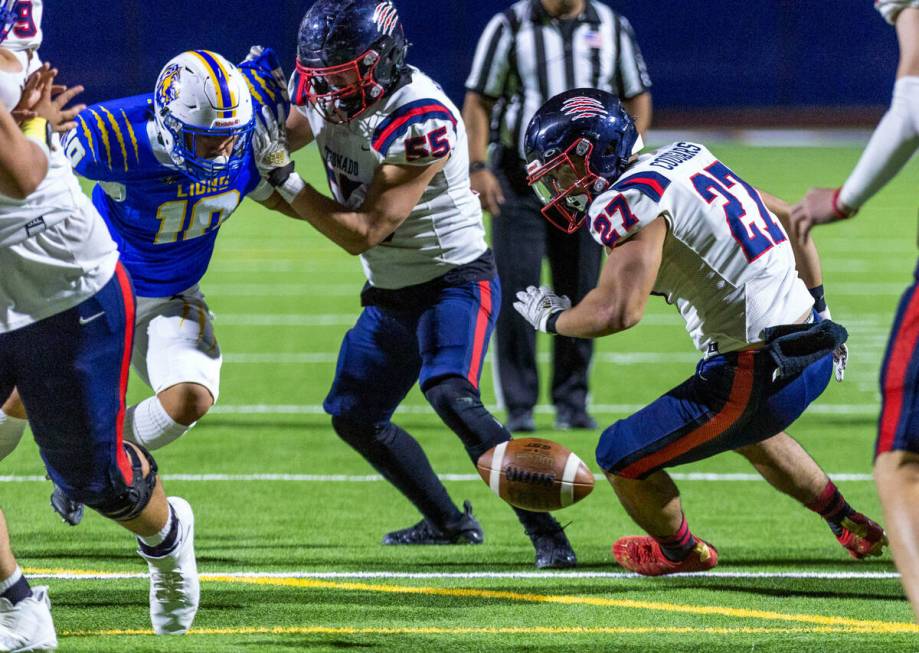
616	304
807	259
299	133
277	203
23	163
392	195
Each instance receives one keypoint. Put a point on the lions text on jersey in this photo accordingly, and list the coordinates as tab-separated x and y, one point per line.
165	224
416	124
727	263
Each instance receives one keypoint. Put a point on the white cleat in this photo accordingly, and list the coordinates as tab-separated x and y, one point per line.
27	626
174	586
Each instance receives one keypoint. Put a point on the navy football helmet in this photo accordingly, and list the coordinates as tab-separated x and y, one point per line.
8	17
350	54
577	144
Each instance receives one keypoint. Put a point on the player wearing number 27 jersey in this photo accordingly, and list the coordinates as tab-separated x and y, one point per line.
681	224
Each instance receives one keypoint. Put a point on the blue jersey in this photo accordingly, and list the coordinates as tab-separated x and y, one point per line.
164	223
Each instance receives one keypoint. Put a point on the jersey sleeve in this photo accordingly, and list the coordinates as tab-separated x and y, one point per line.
103	144
632	203
266	82
491	65
418	133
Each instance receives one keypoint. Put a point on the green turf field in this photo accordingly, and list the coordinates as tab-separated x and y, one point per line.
319	579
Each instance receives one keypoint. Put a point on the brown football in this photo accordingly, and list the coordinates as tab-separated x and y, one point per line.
535	474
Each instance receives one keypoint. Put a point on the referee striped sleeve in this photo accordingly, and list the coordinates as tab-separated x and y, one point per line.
491	64
633	73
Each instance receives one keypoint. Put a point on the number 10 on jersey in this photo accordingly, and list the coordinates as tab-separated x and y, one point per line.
179	222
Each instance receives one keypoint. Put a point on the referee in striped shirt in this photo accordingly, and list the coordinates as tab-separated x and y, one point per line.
528	53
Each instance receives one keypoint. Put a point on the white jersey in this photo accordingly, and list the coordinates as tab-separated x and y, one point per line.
727	263
55	250
890	9
416	125
26	33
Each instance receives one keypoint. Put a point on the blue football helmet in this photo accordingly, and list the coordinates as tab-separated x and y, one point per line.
577	144
8	17
350	54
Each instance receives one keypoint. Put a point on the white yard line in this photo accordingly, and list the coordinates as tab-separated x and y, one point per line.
375	478
869	409
481	575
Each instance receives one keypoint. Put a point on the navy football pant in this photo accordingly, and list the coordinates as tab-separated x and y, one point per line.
389	349
730	402
71	370
898	427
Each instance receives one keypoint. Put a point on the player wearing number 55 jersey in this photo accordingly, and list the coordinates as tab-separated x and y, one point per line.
171	167
680	224
395	151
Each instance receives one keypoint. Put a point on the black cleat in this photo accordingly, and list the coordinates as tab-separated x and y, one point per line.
553	550
466	530
70	511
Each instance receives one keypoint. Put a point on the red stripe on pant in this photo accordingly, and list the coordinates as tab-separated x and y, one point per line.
898	362
734	407
481	329
127	294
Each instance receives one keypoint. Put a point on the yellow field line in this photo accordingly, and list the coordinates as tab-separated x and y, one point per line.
436	630
837	623
724	611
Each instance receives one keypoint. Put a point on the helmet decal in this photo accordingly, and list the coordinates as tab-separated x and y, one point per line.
385	17
583	107
167	89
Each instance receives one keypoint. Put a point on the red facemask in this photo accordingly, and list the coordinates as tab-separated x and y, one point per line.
340	93
566	185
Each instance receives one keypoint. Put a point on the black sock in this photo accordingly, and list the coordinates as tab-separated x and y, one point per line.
399	458
832	506
19	590
679	545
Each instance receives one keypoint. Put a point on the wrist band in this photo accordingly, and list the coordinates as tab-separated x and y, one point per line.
476	166
841	213
37	130
550	323
819	298
292	187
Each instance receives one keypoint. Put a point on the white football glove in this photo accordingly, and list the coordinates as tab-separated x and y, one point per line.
269	142
537	305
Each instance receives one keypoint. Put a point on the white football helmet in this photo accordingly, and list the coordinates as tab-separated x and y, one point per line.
199	93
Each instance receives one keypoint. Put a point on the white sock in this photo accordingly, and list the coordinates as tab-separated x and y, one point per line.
894	141
149	425
157	538
11	580
11	430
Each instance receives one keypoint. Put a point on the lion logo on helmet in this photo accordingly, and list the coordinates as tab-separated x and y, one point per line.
167	89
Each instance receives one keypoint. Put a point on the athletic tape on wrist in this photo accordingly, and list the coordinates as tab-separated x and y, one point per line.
291	187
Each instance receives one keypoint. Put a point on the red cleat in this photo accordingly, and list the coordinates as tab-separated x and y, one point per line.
862	537
641	554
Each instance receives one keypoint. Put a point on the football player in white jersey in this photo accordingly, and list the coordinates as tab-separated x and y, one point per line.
680	224
394	147
66	329
894	142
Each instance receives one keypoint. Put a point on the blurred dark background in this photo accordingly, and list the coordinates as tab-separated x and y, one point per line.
765	61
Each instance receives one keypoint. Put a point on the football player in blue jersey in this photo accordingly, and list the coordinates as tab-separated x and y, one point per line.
171	167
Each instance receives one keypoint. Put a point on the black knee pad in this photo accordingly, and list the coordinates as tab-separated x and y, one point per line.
460	406
127	501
